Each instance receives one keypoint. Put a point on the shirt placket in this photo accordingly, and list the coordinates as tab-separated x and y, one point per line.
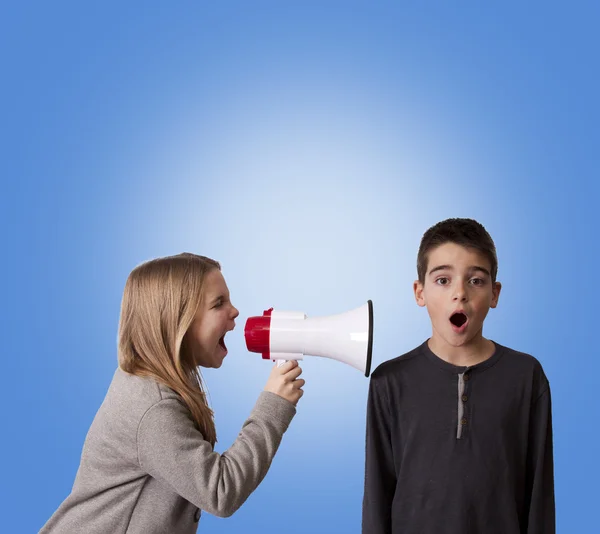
463	411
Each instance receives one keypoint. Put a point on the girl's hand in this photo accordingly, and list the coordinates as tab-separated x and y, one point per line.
284	382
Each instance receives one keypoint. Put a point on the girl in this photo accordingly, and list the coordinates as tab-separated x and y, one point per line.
148	464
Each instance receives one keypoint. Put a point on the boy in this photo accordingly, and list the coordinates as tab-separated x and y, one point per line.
459	430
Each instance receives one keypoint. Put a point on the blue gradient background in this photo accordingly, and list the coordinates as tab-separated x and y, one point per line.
306	146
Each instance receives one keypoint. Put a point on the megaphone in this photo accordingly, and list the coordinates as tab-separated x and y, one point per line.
289	335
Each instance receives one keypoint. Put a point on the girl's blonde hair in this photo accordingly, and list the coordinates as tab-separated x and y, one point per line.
160	300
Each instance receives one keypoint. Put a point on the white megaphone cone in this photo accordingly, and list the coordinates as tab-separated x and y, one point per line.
288	335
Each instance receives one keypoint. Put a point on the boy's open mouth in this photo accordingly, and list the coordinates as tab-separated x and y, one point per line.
222	342
458	319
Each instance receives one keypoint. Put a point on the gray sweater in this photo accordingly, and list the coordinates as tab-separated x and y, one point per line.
146	469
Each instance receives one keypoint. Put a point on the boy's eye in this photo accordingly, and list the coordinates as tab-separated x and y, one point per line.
442	281
477	281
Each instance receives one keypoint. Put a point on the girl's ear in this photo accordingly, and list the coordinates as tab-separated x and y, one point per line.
418	290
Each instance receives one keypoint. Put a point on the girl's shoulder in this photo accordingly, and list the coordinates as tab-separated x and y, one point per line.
115	427
136	394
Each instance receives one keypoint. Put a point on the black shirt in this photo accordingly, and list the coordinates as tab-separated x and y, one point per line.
459	450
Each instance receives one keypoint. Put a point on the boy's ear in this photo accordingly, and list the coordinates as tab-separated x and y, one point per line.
495	294
418	289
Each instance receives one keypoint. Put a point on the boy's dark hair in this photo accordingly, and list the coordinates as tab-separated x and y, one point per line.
465	232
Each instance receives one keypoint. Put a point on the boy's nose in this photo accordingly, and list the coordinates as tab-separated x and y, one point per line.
460	293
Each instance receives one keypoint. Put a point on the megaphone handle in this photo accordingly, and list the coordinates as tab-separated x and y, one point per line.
281	362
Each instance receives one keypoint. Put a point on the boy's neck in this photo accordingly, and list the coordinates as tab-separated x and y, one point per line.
476	351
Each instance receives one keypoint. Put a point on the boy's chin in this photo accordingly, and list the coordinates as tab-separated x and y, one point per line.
461	340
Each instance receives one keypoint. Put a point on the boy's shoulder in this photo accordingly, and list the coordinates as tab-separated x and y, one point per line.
519	358
525	365
398	364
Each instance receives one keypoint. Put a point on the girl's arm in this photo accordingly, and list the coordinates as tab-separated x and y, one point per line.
172	450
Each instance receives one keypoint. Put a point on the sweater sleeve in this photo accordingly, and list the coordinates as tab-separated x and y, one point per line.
172	450
540	468
380	476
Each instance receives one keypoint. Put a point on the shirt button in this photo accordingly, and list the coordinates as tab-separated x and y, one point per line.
465	377
464	398
463	421
197	515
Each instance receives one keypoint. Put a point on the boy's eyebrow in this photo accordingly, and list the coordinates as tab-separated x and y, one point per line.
450	268
441	268
478	268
